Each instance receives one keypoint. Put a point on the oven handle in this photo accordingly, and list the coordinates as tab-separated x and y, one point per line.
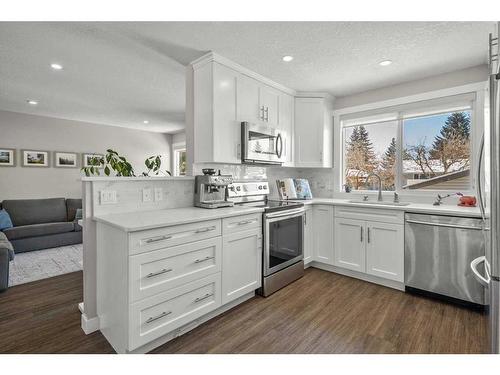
288	213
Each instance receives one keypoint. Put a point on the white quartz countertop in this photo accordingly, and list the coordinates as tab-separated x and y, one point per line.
424	208
143	220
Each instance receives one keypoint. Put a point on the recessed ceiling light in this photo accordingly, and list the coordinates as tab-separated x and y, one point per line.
385	62
287	58
146	122
56	66
32	102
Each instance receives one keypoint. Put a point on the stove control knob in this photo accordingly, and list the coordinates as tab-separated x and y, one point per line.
260	187
238	188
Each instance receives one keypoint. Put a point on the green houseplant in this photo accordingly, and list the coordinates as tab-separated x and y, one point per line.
111	161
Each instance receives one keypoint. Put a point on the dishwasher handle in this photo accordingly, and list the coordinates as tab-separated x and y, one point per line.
485	281
443	225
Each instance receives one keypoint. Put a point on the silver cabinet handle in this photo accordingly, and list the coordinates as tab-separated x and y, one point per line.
203	259
361	232
157	239
266	112
163	314
199	299
368	234
153	274
205	230
262	112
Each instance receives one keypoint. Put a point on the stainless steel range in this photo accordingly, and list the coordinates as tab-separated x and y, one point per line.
283	228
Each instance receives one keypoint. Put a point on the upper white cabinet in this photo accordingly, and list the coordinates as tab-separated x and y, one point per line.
313	133
220	95
269	104
247	98
286	125
323	234
216	130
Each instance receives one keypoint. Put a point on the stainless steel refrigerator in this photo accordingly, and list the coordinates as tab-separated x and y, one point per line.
487	268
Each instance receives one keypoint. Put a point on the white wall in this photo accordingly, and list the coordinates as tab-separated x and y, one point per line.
22	131
433	83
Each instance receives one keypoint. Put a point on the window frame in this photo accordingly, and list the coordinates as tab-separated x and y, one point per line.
177	148
388	106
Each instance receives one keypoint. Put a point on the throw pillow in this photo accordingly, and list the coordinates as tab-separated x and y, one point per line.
5	221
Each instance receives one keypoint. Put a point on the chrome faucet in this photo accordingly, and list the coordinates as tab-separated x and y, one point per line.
379	185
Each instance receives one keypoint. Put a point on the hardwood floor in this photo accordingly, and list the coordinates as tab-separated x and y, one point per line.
320	313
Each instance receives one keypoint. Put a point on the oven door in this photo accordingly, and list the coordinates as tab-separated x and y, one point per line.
261	144
283	239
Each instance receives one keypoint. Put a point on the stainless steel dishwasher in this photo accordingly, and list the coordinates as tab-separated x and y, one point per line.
438	253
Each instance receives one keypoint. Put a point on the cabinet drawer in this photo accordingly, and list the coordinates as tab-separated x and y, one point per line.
165	312
370	214
161	270
154	239
240	223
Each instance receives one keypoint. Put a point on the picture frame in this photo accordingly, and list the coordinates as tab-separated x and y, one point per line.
7	157
86	157
35	158
64	159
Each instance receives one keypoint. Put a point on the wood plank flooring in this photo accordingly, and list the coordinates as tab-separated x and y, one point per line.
320	313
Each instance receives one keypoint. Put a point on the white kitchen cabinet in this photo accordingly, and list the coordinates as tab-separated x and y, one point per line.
220	95
242	262
384	250
247	100
350	244
374	246
323	234
308	235
313	133
216	133
269	102
286	125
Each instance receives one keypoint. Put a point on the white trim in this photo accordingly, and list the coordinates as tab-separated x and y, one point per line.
89	325
428	95
214	57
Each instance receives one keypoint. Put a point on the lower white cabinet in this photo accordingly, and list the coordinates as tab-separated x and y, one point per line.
242	262
152	285
323	234
372	247
308	235
385	250
350	244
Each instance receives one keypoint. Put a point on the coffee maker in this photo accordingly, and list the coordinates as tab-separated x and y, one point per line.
210	190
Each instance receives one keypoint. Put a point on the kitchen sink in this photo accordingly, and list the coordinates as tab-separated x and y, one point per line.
380	203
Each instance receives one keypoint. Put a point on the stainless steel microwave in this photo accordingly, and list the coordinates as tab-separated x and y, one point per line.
261	144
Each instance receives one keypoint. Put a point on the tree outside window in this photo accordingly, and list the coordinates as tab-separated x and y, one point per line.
435	153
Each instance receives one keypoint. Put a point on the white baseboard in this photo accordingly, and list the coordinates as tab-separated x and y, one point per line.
81	307
89	325
358	275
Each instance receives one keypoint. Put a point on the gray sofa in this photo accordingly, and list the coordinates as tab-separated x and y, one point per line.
42	223
6	255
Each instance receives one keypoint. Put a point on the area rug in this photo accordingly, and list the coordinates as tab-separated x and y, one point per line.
41	264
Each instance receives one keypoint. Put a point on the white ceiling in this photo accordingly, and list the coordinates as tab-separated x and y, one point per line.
125	72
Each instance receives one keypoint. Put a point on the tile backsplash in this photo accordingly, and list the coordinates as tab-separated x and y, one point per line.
320	179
